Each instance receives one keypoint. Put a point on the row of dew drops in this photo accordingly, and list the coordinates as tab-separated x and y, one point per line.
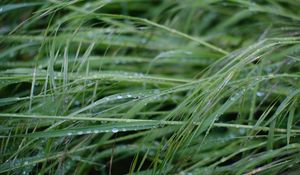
113	130
154	93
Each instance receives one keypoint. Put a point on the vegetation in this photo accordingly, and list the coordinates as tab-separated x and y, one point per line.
149	87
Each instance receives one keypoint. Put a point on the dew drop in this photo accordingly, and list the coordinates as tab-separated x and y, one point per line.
96	131
69	134
88	132
260	94
114	130
129	96
77	103
242	131
79	132
119	97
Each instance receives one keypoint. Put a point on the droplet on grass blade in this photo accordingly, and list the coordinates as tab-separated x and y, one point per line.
260	94
232	98
77	103
115	130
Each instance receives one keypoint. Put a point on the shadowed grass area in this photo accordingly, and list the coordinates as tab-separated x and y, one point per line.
149	87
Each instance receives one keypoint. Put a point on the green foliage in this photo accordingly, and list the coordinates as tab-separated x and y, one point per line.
149	87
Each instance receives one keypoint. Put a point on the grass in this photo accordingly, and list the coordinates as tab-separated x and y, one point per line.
149	87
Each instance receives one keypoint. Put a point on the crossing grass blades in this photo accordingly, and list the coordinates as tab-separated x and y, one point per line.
149	87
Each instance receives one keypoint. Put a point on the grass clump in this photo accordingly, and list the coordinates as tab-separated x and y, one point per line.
149	87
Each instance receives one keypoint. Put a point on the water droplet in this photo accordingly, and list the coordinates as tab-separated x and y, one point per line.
69	133
79	132
138	75
88	132
114	130
96	131
129	96
77	103
26	163
119	97
242	131
260	94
